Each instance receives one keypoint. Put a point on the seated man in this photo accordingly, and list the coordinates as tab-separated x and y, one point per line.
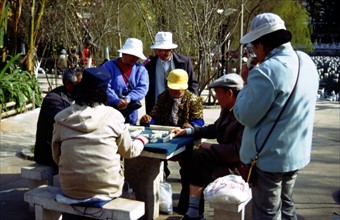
89	140
177	106
210	157
55	101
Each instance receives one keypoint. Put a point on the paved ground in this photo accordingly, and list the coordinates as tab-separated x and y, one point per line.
317	191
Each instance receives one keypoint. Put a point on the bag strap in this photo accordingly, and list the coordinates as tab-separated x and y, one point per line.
282	110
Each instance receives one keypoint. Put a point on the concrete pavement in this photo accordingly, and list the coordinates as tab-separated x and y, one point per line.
317	191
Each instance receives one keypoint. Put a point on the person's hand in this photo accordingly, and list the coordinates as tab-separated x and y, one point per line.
186	125
178	132
122	104
142	138
245	72
144	120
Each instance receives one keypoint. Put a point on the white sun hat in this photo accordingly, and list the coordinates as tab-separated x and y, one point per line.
133	46
261	25
163	40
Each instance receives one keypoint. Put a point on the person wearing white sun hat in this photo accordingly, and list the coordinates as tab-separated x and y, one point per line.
160	65
277	107
131	80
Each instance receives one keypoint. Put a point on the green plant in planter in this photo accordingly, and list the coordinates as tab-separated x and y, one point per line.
18	86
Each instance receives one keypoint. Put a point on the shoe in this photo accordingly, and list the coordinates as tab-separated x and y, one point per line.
185	217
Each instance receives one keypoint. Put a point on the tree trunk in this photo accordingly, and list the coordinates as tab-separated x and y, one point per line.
35	24
17	17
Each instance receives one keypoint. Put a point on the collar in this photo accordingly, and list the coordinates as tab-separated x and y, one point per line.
276	50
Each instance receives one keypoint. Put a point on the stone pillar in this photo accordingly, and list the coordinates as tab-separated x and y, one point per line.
143	175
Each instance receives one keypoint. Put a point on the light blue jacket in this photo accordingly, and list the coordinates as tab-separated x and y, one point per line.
260	102
139	79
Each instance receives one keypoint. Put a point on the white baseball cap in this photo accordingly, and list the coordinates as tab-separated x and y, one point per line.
133	46
261	25
163	40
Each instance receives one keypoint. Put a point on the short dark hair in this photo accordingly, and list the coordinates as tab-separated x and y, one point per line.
90	96
69	76
274	39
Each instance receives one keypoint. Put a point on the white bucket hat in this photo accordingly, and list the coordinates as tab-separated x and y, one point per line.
133	46
261	25
163	40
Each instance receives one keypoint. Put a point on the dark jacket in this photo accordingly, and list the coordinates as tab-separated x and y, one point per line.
181	62
190	110
55	101
228	133
223	157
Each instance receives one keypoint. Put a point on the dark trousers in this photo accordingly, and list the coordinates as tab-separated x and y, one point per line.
184	162
273	195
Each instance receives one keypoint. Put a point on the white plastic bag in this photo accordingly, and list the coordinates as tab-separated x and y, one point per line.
230	189
165	198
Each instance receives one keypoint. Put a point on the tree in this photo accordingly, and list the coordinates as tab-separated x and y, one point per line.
297	24
294	14
201	28
324	18
196	27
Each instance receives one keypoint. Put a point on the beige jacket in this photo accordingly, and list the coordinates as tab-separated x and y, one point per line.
87	145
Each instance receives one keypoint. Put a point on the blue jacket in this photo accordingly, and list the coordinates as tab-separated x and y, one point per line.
139	80
260	102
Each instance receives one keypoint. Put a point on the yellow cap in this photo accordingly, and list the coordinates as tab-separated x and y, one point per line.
178	79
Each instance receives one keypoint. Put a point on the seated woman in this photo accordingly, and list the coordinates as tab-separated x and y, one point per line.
89	139
177	106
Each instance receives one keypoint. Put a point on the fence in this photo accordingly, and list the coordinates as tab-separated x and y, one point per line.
11	110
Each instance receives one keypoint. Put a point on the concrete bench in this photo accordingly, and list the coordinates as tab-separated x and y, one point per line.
47	208
38	174
232	211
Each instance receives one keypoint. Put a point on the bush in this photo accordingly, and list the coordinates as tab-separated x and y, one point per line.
18	86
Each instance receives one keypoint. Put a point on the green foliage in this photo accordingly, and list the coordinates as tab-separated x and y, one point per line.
18	86
296	20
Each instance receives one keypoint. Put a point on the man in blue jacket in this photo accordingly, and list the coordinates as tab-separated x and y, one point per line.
269	84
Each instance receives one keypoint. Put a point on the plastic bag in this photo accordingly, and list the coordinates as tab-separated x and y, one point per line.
230	189
165	198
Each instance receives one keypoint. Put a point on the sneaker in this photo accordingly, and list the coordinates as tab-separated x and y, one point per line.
186	217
